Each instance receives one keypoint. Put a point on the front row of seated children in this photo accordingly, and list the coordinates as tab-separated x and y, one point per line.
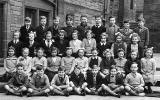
92	83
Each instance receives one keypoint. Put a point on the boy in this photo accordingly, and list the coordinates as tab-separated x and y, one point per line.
41	29
24	30
94	81
98	29
83	27
16	43
134	82
77	82
17	85
39	84
112	29
60	83
113	83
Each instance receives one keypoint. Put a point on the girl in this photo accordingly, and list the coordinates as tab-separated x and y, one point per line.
76	44
119	44
67	62
134	46
148	68
26	61
39	60
120	61
10	64
89	43
53	63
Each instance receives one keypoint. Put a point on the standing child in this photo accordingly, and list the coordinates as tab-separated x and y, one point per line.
75	44
26	61
60	83
148	68
134	82
39	84
10	64
18	83
89	43
68	61
113	83
53	63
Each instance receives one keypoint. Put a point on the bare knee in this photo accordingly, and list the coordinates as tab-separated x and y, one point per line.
127	88
121	87
30	90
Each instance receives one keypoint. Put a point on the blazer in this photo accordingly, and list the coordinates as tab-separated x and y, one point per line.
55	31
47	50
102	48
107	64
82	31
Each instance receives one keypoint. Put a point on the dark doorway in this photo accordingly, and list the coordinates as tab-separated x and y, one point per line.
1	30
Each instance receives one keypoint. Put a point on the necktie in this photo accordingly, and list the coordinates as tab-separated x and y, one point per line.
48	44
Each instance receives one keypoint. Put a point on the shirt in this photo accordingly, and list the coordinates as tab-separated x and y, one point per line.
40	61
10	64
60	81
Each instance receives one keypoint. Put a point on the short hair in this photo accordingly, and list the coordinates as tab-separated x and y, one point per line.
56	18
11	48
69	17
125	21
107	51
120	50
81	49
94	49
134	63
98	16
54	49
112	17
61	69
63	31
25	48
135	35
39	67
89	31
140	19
83	16
95	67
43	17
69	48
48	32
19	65
40	48
27	19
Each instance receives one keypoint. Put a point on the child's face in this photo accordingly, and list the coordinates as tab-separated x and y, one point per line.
49	36
40	53
31	37
135	40
69	22
141	23
25	52
84	20
69	52
61	73
108	55
121	54
61	36
27	23
54	53
126	25
40	72
113	71
98	20
103	39
134	55
81	53
43	22
95	71
16	35
105	71
112	21
119	38
20	70
148	53
74	36
11	52
134	68
56	21
94	53
77	71
89	35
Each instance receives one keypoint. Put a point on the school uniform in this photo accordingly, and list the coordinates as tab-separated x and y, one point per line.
55	31
24	31
69	30
77	80
143	32
126	32
120	64
39	61
41	33
75	45
97	30
94	61
107	63
18	45
47	46
82	29
81	63
53	63
102	47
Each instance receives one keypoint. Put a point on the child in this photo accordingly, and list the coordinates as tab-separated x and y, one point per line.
48	44
17	85
18	45
108	61
25	30
81	62
119	44
103	45
53	63
60	83
61	43
77	82
143	32
113	83
120	62
32	44
126	31
68	61
94	81
41	29
75	44
133	58
39	84
94	59
26	61
39	60
134	82
134	46
112	29
148	68
83	27
89	43
10	64
98	29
